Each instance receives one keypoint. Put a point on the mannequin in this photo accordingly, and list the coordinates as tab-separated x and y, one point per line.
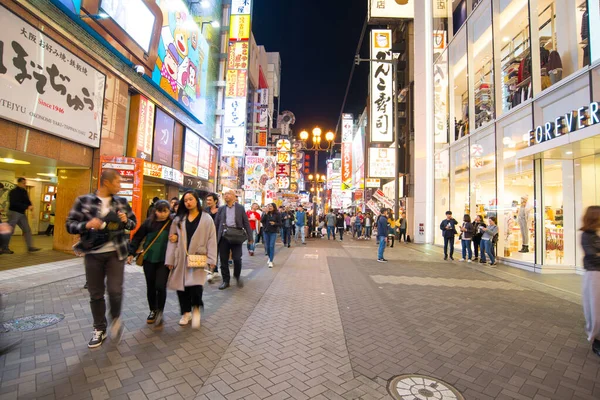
524	220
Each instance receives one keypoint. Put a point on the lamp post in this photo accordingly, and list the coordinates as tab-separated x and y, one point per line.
316	147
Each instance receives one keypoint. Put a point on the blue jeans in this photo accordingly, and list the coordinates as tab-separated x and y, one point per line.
466	247
382	244
357	230
487	248
270	238
330	232
300	231
287	236
252	247
368	231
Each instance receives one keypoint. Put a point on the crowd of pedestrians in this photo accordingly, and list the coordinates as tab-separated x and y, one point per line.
475	237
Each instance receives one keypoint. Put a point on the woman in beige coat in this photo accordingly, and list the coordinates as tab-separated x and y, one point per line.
196	234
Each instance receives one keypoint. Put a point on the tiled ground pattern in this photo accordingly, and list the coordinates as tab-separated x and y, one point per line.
172	362
490	343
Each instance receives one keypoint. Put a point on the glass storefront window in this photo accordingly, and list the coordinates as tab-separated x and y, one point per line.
483	177
459	14
515	52
440	27
587	193
459	86
442	190
459	189
480	35
563	33
594	29
440	85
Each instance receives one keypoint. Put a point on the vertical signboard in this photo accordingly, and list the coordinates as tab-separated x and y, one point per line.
236	88
145	129
381	87
347	128
284	159
163	138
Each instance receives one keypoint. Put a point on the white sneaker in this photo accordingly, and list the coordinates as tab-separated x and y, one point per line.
116	329
270	264
215	276
185	319
469	260
462	260
196	318
209	277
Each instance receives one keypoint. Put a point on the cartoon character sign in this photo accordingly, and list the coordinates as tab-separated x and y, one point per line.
182	65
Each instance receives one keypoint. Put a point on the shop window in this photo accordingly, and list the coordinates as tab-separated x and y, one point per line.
515	53
440	84
440	27
587	193
563	32
459	86
441	191
594	29
459	14
460	183
483	177
480	35
559	233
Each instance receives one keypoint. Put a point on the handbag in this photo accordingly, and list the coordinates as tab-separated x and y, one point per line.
139	259
235	235
196	260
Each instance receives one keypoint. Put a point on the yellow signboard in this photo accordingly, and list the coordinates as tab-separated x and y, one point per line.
239	28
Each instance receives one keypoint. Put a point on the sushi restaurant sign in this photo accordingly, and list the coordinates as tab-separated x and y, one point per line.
564	124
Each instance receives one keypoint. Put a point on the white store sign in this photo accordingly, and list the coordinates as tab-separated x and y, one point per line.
383	10
381	87
240	6
235	112
381	162
44	86
234	142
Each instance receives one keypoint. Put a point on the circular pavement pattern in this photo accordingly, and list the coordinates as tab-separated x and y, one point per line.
30	323
421	387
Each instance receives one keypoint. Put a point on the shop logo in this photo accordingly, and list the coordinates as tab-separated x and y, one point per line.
565	124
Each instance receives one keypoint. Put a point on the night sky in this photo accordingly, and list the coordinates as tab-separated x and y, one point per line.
317	41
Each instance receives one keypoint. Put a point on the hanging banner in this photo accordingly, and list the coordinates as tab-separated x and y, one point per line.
374	207
239	28
235	112
347	128
373	183
145	129
190	156
234	142
381	87
381	162
238	55
236	84
47	87
379	195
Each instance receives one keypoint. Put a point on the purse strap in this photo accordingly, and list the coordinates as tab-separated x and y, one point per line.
157	236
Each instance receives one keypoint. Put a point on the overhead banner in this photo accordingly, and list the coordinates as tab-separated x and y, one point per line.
347	128
390	10
381	87
47	87
381	162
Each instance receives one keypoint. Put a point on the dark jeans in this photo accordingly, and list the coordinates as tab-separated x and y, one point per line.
191	297
20	220
449	241
99	267
157	275
270	238
50	230
476	243
368	232
287	236
341	232
391	239
236	253
402	234
466	249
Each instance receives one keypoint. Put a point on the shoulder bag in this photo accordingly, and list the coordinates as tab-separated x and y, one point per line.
234	235
197	260
139	260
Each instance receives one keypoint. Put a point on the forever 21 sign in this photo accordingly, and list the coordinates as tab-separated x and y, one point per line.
565	124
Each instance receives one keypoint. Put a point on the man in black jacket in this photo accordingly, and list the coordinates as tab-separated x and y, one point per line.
448	228
19	204
232	215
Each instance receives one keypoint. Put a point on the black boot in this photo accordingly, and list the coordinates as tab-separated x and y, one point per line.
525	249
596	347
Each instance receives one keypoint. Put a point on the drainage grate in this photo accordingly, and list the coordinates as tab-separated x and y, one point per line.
421	387
30	323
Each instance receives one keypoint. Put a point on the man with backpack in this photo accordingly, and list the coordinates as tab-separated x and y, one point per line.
101	219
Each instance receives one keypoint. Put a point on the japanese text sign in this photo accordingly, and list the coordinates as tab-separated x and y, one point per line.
381	162
234	142
381	87
236	84
163	138
238	55
239	29
145	128
386	10
240	6
190	159
45	86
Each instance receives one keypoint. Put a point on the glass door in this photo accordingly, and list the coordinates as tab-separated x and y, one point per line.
587	182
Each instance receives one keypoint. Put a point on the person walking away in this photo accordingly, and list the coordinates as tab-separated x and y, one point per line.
19	204
590	241
286	228
368	226
254	219
300	224
448	227
232	224
382	233
211	208
271	220
154	232
348	221
488	240
466	230
101	219
50	229
478	233
358	223
339	223
330	219
196	235
403	225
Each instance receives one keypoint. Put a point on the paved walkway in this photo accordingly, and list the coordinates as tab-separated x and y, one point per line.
327	322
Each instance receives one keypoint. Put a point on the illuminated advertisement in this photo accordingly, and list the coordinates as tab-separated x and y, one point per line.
134	17
381	87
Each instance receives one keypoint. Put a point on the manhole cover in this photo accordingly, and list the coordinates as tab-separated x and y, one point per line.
30	323
420	387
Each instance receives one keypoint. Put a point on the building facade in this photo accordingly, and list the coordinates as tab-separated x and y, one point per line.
507	123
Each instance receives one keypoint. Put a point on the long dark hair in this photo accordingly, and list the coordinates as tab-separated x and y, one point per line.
160	205
591	219
274	209
182	211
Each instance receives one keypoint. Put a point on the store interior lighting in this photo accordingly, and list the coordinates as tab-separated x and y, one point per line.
13	161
